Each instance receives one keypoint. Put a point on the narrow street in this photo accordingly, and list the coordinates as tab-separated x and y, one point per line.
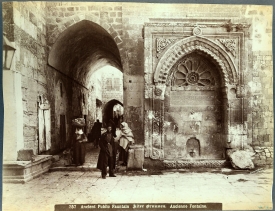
236	190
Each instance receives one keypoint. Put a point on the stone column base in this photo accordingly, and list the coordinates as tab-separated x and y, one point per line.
23	171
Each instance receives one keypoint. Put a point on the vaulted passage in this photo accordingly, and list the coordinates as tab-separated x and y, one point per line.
89	69
82	47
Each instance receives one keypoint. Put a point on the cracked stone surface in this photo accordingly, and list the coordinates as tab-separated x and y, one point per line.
235	189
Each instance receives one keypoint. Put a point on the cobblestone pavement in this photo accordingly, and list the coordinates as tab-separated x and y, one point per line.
236	190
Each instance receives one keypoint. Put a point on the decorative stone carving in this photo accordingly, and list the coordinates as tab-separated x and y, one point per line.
240	91
162	43
156	154
229	25
197	31
238	27
181	164
158	91
230	45
156	122
170	164
194	70
186	46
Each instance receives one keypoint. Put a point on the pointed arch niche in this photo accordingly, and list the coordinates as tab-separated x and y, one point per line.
194	89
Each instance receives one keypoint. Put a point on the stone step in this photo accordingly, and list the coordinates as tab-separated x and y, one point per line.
23	171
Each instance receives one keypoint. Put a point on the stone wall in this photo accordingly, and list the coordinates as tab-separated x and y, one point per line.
261	113
112	88
64	14
262	108
35	27
29	29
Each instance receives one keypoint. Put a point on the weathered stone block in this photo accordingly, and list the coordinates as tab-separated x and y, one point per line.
241	159
267	144
70	8
266	138
259	162
25	155
262	157
269	161
29	131
135	157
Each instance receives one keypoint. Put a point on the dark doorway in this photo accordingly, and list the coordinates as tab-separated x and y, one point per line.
62	131
108	113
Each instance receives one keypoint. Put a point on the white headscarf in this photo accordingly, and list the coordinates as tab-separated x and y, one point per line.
126	135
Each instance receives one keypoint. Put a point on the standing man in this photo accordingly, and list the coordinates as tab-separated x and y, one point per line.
113	126
96	131
106	154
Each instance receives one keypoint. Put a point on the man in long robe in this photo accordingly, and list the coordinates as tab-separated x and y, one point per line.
106	154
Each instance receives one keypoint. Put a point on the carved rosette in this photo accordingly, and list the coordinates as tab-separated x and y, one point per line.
158	91
189	45
194	70
197	31
230	45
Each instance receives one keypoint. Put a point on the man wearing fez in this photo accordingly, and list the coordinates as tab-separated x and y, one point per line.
78	141
106	154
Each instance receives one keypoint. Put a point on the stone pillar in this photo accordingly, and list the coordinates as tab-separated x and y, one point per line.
13	115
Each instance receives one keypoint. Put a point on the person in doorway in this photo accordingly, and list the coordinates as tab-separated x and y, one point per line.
126	139
96	132
78	142
106	154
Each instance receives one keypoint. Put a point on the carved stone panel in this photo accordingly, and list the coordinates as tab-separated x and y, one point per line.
194	114
195	67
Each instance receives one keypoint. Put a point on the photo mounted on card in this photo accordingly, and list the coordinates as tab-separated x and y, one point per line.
137	106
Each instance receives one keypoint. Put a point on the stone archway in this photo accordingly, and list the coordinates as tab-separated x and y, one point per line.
108	111
223	73
186	46
193	109
56	30
78	53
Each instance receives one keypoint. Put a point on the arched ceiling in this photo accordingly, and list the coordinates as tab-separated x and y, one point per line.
84	47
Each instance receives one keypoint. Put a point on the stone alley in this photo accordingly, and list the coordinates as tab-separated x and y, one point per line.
185	89
236	190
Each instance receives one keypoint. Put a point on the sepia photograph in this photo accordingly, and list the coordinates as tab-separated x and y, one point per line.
137	106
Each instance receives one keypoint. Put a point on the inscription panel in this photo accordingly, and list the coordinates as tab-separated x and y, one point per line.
193	98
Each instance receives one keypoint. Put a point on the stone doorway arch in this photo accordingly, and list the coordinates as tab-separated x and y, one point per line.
80	50
193	102
167	44
108	112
